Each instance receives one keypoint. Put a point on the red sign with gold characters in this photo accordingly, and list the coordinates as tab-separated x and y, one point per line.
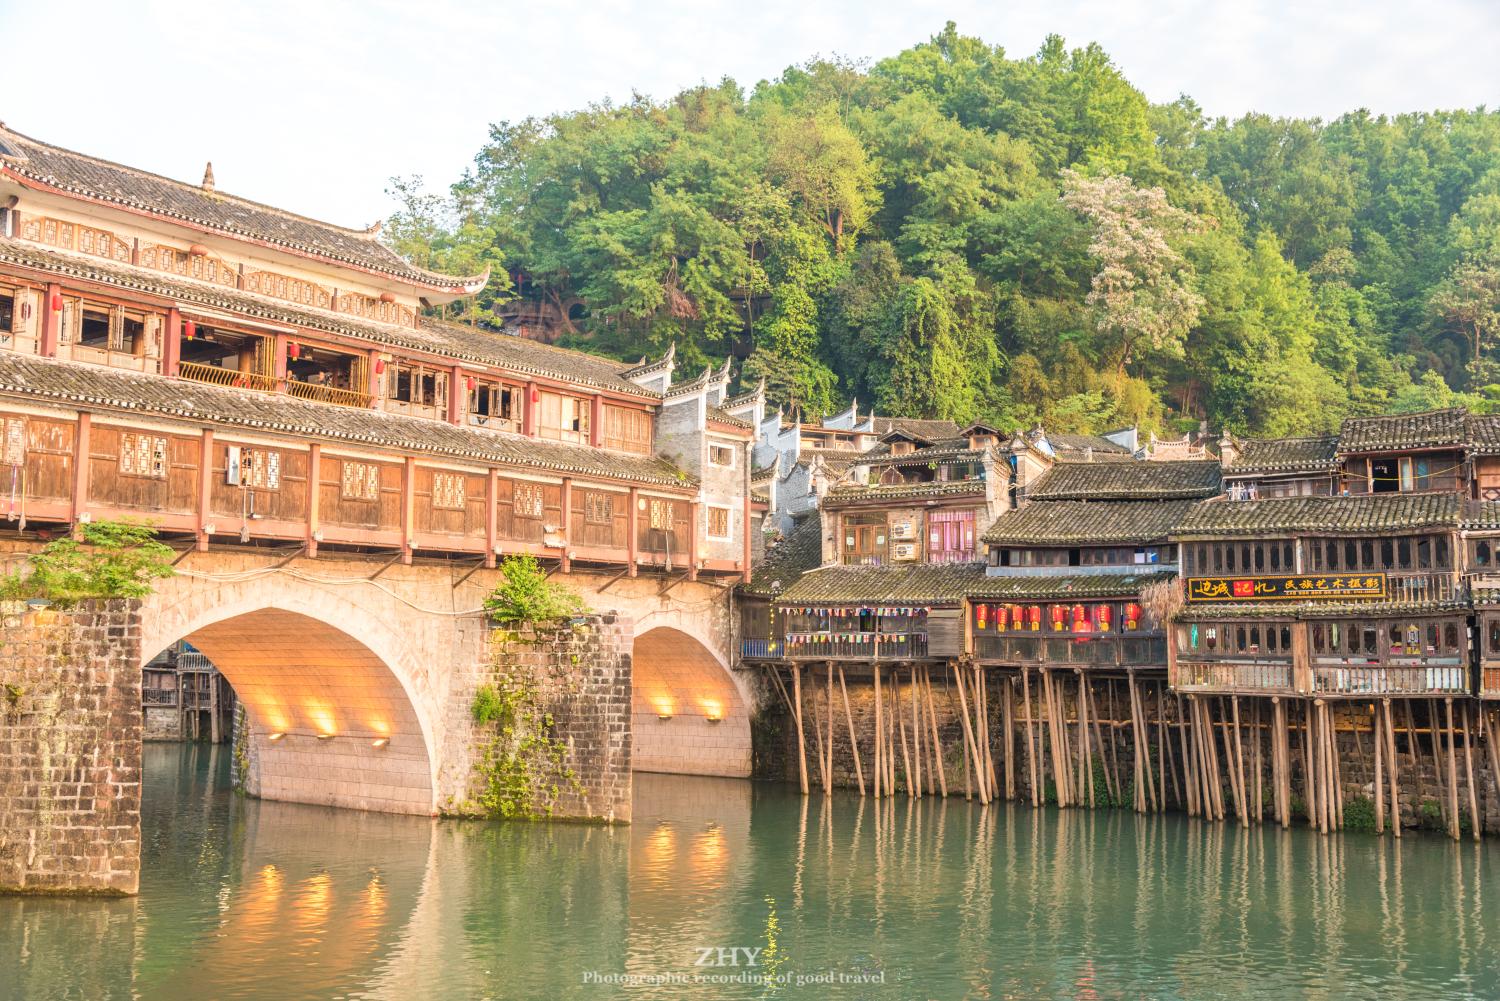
1305	587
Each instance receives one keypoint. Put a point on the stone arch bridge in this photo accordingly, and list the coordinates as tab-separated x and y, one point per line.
357	676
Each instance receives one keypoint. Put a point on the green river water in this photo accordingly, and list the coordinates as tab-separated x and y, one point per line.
247	899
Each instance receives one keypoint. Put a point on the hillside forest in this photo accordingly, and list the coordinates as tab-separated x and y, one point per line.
955	233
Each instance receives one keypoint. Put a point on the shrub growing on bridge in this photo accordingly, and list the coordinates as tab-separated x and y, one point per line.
114	559
525	595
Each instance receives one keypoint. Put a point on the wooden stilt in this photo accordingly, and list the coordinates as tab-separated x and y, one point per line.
1110	783
1474	818
1085	759
879	773
1379	772
1189	774
969	741
1259	799
1164	748
1309	775
801	738
1232	758
937	742
982	707
1412	751
1031	763
828	710
1008	723
817	729
1489	743
916	729
1453	827
906	772
1137	772
859	771
1393	768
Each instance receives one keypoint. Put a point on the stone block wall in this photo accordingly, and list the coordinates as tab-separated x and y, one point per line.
583	677
70	749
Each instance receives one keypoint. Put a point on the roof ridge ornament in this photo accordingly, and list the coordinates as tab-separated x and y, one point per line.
208	176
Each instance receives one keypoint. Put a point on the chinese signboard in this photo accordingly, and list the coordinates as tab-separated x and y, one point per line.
1305	587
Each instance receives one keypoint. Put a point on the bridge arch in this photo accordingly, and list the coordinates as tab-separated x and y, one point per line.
337	702
687	712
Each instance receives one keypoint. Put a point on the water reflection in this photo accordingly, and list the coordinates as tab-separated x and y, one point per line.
242	899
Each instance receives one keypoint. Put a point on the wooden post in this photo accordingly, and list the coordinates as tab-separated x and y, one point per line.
491	517
81	462
828	706
937	742
801	739
1008	720
817	728
205	486
1393	767
171	347
879	734
596	420
457	392
969	742
314	482
982	688
911	790
1379	772
1453	827
1489	742
1474	819
408	507
916	731
633	525
1031	764
859	771
567	523
51	322
695	517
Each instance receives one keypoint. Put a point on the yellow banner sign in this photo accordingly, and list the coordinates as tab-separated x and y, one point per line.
1305	587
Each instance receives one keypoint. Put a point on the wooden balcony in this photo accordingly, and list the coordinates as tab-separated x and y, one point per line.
856	646
1378	679
159	697
328	394
232	378
760	648
1424	588
1116	650
1270	676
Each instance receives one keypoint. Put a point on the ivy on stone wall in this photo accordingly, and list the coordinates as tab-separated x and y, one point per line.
519	761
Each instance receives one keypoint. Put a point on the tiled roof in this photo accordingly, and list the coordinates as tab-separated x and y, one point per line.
936	488
917	583
1127	481
51	380
929	429
1079	442
100	180
725	417
1480	516
1484	433
789	559
847	456
1434	428
1041	586
1285	455
1210	612
1289	515
518	354
1065	523
948	448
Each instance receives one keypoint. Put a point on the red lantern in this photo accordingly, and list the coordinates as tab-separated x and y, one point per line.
1101	617
56	301
1080	619
380	366
1034	614
980	616
535	395
294	349
189	329
1132	616
469	382
1059	618
1000	618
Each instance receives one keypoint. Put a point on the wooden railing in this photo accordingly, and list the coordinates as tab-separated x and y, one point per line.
233	378
1423	587
856	646
327	394
159	696
1228	675
1489	683
1139	650
1349	679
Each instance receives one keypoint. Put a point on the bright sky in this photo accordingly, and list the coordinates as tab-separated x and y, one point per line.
313	104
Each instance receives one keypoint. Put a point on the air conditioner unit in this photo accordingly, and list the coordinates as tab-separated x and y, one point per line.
904	530
904	551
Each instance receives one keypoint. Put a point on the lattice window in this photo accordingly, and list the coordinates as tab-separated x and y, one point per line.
720	455
529	500
181	262
143	455
598	509
448	491
718	523
661	514
260	468
361	481
13	449
372	308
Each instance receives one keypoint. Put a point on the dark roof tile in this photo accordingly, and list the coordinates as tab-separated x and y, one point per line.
50	380
1142	480
786	561
212	210
1065	523
1285	455
1431	429
892	491
1294	515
